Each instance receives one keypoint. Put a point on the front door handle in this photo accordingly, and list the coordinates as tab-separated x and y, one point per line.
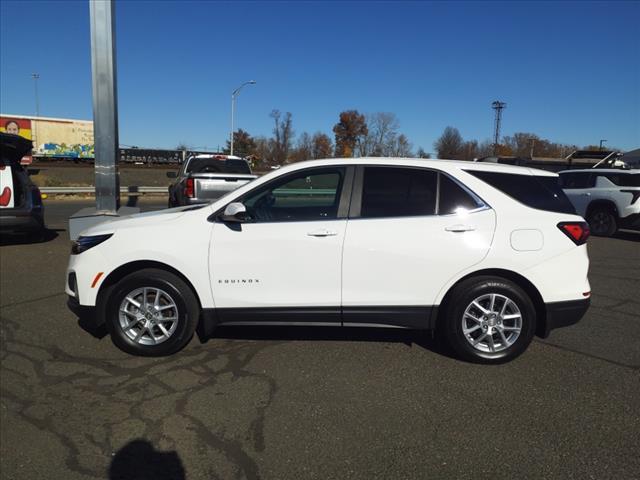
459	228
322	233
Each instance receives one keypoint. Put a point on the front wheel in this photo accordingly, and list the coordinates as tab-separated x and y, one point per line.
489	320
151	313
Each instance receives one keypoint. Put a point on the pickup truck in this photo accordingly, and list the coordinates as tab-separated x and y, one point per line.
204	178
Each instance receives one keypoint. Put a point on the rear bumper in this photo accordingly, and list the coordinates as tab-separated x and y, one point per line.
563	314
22	220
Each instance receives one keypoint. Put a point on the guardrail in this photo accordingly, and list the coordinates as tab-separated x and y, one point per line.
132	191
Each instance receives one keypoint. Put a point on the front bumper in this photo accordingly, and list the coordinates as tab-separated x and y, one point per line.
563	314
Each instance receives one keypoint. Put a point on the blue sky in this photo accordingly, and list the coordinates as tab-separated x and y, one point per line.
569	71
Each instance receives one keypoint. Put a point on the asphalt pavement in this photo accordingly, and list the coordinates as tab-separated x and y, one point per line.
317	403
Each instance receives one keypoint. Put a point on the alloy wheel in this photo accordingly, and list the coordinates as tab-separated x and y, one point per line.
148	315
492	323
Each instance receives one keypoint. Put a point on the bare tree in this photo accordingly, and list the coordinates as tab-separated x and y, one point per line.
450	144
304	148
283	134
382	135
401	147
422	154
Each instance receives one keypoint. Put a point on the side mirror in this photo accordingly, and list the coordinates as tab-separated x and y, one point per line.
172	174
234	212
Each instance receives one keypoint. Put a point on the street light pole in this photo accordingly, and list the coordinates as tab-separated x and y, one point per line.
234	94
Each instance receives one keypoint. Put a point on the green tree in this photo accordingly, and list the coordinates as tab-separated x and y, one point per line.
450	144
243	144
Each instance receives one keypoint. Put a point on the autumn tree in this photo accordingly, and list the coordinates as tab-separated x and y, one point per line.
450	144
350	129
322	146
243	144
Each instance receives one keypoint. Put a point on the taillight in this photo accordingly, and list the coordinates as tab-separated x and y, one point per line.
576	231
189	189
635	194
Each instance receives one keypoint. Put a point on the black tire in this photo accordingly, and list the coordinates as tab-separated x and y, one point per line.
188	311
463	295
603	222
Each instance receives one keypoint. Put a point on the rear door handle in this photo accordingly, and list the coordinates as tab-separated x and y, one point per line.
322	233
459	228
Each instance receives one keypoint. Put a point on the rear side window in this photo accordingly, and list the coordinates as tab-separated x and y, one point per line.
543	193
572	180
453	198
398	192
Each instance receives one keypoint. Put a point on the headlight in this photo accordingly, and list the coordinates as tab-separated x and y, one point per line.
83	244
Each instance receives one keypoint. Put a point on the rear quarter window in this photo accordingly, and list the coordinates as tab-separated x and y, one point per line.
540	192
624	179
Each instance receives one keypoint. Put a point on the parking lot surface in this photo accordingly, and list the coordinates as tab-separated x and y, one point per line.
321	403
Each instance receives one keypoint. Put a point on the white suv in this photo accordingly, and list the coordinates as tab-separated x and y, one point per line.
607	198
487	255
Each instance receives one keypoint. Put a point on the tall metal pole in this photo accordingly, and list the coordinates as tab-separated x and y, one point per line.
35	77
498	106
233	107
105	104
234	94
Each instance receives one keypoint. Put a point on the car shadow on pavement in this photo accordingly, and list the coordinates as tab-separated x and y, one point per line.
630	236
45	236
423	339
138	460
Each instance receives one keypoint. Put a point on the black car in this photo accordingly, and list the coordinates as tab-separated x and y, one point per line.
21	208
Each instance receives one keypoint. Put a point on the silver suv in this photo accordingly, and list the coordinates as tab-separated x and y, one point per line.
606	198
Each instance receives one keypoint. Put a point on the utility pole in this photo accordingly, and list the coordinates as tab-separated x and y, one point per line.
601	142
533	144
498	106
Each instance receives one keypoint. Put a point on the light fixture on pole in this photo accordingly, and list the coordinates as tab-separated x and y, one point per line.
234	94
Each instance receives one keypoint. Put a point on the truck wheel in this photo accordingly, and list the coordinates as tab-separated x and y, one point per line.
489	320
602	222
151	313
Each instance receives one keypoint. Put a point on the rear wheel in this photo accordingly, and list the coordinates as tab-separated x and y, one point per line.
602	222
151	313
489	320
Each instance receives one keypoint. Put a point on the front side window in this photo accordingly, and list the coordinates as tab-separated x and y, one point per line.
398	192
576	180
301	196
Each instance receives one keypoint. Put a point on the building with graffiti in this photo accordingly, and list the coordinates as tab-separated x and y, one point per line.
52	137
